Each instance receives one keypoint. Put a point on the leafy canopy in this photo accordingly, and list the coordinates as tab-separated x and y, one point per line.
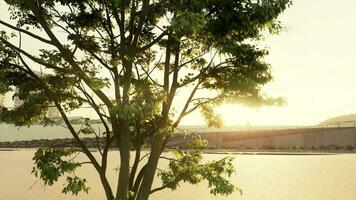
128	60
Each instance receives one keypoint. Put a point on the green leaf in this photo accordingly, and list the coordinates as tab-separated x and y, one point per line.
75	185
50	165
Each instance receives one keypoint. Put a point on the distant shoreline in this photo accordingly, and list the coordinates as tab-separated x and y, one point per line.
230	152
92	144
267	152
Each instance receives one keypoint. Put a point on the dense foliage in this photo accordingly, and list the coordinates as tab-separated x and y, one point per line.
127	60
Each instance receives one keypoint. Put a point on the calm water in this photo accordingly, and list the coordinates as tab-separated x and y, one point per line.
262	177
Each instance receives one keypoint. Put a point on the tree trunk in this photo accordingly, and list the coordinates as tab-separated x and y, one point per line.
150	170
124	138
123	182
145	188
134	168
106	186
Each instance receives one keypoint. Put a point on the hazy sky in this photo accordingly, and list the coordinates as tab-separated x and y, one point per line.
313	67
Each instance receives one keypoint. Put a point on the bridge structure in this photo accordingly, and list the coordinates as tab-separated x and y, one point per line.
335	134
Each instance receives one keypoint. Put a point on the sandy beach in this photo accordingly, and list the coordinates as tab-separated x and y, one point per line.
268	177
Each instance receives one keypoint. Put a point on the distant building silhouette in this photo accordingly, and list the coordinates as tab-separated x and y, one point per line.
342	120
52	111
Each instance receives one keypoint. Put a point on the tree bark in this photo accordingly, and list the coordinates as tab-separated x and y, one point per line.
134	168
145	188
150	170
124	138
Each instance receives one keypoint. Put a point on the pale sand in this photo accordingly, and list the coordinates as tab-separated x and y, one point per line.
262	177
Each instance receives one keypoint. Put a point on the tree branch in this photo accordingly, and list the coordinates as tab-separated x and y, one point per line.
26	32
93	160
33	58
67	55
134	168
165	186
183	112
107	129
145	4
154	41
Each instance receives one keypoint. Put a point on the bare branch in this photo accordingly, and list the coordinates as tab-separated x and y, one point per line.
26	32
192	60
170	159
148	75
108	140
33	58
183	112
154	41
88	162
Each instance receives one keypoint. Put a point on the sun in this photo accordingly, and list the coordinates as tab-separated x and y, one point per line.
237	115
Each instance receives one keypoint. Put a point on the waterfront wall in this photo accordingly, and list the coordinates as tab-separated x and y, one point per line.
11	133
239	139
282	139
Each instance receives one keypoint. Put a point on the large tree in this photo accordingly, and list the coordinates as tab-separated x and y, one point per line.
127	60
